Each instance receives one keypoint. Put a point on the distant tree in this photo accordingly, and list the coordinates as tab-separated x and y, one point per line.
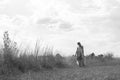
6	41
109	55
100	56
92	54
9	50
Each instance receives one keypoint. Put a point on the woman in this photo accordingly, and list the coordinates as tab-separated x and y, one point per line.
80	54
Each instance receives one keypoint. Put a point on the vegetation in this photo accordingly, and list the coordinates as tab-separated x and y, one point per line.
24	61
30	65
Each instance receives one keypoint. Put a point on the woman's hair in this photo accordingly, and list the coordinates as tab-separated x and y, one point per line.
79	43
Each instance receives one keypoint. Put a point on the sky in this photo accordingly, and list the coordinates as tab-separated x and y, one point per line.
62	23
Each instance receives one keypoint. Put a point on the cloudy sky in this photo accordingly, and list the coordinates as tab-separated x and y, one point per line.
62	23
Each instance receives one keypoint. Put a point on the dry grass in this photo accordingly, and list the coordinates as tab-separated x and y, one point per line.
88	73
30	65
12	59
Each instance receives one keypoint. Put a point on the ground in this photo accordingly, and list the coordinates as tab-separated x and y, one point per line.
87	73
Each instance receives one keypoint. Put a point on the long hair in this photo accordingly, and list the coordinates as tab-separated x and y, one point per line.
79	44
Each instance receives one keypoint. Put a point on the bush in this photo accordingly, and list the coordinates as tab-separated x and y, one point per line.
60	61
48	61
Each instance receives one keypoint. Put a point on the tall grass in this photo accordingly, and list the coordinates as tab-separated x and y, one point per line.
27	60
13	60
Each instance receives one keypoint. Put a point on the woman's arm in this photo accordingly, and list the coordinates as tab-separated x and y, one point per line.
76	52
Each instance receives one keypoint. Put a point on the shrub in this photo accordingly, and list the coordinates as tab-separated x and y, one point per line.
60	61
9	52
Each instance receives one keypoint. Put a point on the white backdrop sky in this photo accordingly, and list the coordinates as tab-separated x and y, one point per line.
61	23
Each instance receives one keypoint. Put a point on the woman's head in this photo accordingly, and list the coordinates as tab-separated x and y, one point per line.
79	44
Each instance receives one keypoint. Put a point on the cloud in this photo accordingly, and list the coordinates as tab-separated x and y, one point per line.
47	21
92	12
93	23
93	7
55	9
64	22
4	2
66	26
15	7
17	26
55	23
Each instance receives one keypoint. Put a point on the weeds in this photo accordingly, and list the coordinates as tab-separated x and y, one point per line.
15	61
26	60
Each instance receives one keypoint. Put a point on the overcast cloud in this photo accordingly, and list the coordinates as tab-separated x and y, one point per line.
61	23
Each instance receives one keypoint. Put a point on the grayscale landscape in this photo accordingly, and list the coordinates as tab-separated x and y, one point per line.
59	40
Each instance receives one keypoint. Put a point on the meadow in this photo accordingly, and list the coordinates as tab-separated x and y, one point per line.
30	65
87	73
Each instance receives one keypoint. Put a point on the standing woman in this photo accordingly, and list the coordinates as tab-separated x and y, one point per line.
80	55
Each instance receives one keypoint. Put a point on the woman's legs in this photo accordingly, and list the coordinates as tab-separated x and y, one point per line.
83	64
79	59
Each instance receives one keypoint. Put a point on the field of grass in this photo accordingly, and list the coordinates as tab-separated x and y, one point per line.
30	65
86	73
